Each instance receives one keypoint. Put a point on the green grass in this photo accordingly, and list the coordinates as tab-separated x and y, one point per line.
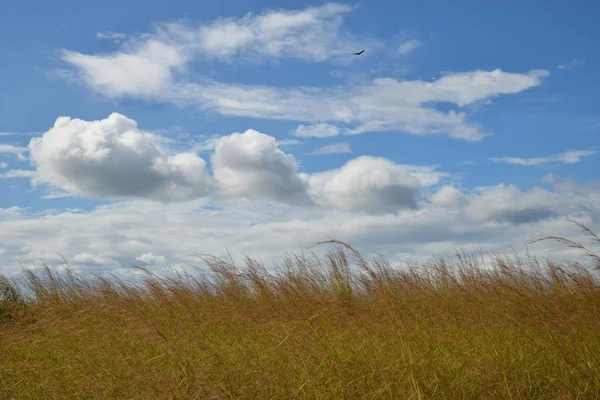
336	328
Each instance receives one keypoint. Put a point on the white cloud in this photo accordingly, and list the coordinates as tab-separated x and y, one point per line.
18	151
409	46
569	186
146	65
448	196
115	36
570	65
311	34
210	143
317	130
287	142
370	184
153	67
119	233
384	104
150	258
250	165
20	133
91	259
146	72
17	173
509	204
3	165
334	148
113	158
568	157
548	178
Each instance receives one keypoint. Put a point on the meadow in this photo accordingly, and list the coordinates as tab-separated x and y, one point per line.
335	327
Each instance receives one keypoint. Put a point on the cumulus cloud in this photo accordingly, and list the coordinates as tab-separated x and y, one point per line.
251	165
568	157
149	258
510	204
448	196
122	233
112	158
370	184
334	148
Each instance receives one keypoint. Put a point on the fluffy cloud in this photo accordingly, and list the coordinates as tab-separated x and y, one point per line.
568	157
113	158
448	196
509	204
369	184
116	236
149	258
251	165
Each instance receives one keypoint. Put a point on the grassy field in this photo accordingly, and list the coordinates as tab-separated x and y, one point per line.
339	327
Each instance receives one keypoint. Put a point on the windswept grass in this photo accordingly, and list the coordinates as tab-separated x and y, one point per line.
340	327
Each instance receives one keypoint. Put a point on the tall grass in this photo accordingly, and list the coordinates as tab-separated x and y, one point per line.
340	327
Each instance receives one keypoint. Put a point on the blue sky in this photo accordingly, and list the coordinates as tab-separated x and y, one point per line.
461	118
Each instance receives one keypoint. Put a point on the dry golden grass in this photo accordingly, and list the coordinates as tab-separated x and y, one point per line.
337	328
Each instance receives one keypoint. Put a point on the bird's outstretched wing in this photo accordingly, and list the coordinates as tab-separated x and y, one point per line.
360	52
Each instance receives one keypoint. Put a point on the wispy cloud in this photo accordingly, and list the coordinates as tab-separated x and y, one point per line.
17	173
20	133
3	164
320	130
548	178
110	35
153	67
335	148
409	46
568	157
15	150
381	105
570	65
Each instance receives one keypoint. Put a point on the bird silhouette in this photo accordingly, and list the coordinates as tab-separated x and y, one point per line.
360	52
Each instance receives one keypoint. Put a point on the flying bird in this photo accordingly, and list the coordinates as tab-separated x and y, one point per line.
360	52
